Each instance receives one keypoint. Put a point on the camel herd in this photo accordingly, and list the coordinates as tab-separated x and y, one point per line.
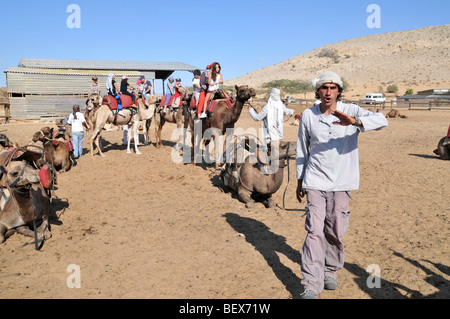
28	173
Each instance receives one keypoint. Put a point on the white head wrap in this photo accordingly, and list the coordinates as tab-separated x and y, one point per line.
275	110
327	77
109	86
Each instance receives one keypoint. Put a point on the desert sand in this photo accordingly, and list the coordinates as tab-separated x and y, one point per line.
145	227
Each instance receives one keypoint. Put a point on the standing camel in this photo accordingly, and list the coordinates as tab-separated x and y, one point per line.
131	118
225	117
92	105
180	116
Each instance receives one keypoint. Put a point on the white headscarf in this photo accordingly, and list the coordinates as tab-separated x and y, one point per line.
275	110
109	85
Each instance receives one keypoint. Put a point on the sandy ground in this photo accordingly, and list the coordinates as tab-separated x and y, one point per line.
145	227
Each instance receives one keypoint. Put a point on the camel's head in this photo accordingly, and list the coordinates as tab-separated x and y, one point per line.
95	99
283	151
151	99
19	174
244	93
287	149
43	135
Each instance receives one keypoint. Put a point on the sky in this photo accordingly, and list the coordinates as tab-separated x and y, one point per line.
242	35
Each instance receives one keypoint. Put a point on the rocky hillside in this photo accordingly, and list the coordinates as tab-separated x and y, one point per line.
417	59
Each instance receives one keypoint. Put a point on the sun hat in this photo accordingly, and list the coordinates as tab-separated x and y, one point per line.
124	77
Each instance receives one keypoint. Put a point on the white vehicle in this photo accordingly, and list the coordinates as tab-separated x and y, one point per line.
374	98
290	99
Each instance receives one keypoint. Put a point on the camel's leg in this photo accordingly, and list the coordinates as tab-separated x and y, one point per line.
3	230
144	130
148	123
129	137
97	143
44	230
26	231
269	202
136	137
245	197
94	139
158	129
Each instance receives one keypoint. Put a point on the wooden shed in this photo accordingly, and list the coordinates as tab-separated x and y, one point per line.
45	89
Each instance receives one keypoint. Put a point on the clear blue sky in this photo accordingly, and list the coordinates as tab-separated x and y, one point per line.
243	35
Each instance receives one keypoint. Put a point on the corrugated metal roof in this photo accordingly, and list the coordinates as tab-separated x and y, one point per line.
104	65
71	71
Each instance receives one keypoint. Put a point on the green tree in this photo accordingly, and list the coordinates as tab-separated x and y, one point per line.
289	86
409	92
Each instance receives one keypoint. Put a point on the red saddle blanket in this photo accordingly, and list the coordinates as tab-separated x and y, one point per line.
68	144
172	98
45	174
213	104
112	102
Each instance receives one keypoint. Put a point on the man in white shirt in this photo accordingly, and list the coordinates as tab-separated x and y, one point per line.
327	170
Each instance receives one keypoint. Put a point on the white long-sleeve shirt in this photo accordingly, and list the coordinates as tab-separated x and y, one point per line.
272	127
327	154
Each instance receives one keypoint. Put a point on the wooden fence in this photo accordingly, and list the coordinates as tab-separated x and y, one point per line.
405	104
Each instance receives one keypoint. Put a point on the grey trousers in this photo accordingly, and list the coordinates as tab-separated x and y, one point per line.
323	250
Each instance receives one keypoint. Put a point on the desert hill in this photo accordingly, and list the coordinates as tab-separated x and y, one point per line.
417	59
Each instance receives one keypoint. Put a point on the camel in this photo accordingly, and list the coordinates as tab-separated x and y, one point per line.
24	202
224	117
255	178
179	115
395	113
56	152
131	119
92	105
443	148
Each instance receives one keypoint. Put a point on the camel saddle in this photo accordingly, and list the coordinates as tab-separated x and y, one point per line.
112	102
69	145
219	96
171	101
213	104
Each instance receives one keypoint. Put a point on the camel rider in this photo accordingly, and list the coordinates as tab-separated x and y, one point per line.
272	116
95	87
171	87
113	90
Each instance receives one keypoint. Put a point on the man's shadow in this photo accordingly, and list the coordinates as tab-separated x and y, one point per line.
268	244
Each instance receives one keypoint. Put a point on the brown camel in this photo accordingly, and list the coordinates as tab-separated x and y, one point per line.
395	113
56	152
131	118
92	105
24	202
179	115
225	117
260	175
